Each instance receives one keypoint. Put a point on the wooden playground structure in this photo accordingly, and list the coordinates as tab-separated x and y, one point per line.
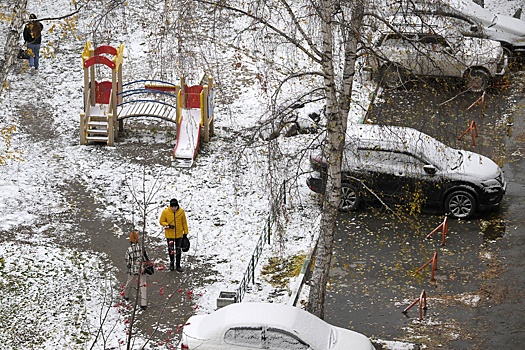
107	104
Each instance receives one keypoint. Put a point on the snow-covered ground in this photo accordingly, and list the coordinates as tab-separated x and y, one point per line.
57	292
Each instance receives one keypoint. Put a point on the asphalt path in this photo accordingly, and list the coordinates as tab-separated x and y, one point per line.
476	298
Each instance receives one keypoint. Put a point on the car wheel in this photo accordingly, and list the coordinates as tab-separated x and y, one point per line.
460	205
350	198
392	76
477	80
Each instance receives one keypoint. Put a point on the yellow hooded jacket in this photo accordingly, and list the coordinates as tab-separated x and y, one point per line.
177	220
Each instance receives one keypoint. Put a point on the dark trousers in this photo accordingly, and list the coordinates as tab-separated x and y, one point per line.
174	249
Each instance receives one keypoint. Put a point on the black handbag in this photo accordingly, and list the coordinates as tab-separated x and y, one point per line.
149	269
185	244
23	54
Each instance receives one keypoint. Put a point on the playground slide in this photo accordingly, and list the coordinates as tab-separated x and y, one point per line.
188	137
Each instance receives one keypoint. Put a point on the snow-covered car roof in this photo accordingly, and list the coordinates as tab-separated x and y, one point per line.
401	139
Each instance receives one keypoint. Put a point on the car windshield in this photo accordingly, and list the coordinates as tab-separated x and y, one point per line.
437	153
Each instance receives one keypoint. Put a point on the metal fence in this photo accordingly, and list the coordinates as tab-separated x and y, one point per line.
249	274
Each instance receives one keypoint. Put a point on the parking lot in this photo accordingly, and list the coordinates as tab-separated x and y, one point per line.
378	252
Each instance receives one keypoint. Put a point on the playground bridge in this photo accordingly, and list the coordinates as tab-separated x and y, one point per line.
135	101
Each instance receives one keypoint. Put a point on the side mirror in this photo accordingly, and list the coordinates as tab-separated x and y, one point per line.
430	169
474	29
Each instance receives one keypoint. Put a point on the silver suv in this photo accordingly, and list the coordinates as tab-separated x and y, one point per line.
424	52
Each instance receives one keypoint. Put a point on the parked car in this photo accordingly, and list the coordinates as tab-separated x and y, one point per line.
399	164
416	47
267	326
509	31
469	18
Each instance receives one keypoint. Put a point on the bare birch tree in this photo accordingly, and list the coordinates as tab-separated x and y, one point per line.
327	32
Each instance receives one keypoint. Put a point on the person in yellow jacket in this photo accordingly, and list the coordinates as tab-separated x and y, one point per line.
173	219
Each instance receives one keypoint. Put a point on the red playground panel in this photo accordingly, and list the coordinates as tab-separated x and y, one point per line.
102	92
193	96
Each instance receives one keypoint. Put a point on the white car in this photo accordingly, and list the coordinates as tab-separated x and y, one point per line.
428	50
267	326
471	19
509	31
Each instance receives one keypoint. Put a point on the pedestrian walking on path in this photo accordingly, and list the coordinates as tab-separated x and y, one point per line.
33	39
135	257
173	220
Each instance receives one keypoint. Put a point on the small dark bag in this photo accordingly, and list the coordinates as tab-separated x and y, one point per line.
149	269
185	244
23	54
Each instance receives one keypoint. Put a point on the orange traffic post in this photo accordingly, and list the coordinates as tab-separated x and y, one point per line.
473	132
481	99
434	265
444	230
422	301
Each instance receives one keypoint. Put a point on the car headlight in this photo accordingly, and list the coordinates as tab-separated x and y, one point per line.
491	183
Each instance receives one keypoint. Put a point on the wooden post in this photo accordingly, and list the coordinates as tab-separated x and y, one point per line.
183	89
82	129
211	95
113	104
204	109
111	136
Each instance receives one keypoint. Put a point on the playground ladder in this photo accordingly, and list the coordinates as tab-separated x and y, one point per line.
97	126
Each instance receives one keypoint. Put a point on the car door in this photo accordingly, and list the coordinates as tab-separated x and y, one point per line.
382	173
399	48
423	181
437	57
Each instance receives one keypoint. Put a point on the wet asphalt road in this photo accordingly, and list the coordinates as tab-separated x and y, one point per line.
476	300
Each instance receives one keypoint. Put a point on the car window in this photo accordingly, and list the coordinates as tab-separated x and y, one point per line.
388	161
277	339
398	40
245	336
434	42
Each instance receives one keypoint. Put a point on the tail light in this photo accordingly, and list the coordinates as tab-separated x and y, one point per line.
184	346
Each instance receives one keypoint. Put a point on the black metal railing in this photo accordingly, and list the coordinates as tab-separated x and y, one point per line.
249	274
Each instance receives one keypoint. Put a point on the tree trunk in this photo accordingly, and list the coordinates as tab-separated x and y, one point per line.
11	43
337	107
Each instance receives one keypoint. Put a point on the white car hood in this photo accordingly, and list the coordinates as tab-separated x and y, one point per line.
484	50
474	164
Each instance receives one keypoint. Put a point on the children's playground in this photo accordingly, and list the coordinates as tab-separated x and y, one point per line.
107	103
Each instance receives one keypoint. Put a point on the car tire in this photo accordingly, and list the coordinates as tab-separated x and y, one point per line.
477	80
350	198
461	204
392	76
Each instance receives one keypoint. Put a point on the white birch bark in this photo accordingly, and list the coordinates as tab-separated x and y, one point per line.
11	45
337	107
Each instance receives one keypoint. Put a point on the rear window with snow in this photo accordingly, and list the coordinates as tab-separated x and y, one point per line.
267	338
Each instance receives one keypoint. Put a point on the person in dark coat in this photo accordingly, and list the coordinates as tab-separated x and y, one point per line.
33	39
